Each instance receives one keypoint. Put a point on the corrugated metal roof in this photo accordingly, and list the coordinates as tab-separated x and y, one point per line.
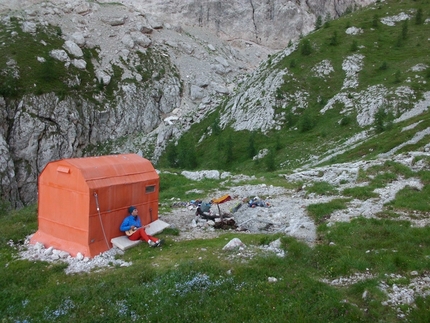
96	168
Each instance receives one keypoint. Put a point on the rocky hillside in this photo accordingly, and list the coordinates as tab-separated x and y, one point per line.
356	88
87	78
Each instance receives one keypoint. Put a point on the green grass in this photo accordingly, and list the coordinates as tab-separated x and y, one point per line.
177	186
202	280
321	188
382	246
197	281
412	199
322	211
360	192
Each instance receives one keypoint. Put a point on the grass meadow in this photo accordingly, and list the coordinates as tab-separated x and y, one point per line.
196	281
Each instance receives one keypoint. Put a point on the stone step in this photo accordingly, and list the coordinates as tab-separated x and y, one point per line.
124	243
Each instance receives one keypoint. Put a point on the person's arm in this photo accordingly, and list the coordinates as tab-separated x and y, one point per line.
125	225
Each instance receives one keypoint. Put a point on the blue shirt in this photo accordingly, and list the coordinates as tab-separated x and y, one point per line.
129	222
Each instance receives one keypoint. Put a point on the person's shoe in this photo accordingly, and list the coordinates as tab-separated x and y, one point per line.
152	243
159	243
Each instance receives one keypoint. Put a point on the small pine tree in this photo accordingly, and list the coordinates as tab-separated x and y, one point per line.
192	157
419	17
397	77
10	86
182	153
216	129
187	156
348	10
327	21
229	150
48	72
252	151
345	121
384	66
5	208
306	48
375	21
220	144
172	155
100	85
289	119
270	161
380	116
278	144
293	63
307	122
405	29
354	46
334	40
318	23
279	94
399	41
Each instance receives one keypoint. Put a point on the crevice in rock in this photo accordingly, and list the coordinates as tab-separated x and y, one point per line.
253	21
337	10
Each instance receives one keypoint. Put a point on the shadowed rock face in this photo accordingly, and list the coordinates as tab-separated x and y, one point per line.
204	48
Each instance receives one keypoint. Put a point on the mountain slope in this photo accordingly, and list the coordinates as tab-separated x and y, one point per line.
342	93
82	78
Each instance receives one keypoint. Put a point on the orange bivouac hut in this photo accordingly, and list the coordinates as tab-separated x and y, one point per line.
83	201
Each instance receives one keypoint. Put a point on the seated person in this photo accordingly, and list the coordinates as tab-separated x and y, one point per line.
135	231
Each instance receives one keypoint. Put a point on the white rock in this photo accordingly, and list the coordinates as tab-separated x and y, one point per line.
64	254
235	243
78	38
197	176
103	77
364	296
276	244
59	54
353	31
115	21
193	223
39	246
128	41
73	48
141	39
79	63
29	27
222	61
48	251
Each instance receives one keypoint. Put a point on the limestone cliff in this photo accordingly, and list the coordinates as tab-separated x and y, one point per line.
271	23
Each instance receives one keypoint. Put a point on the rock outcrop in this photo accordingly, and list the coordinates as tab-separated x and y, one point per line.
270	23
